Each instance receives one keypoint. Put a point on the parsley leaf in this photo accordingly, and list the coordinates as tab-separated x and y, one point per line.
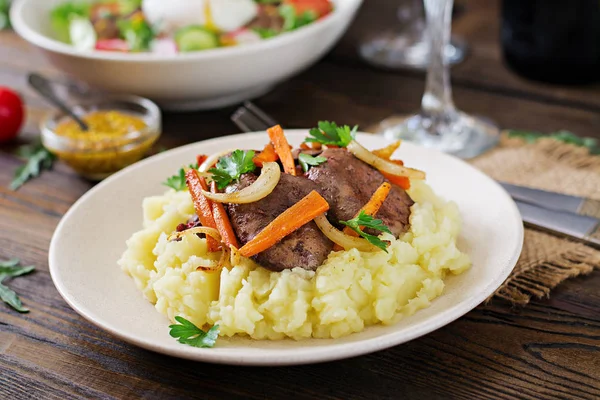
38	159
306	160
368	221
177	181
187	333
137	33
230	168
11	269
329	133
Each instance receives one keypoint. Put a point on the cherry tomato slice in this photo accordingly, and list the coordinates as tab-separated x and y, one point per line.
11	114
320	7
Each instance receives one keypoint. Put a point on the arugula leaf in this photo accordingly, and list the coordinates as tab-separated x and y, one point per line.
177	181
265	33
61	15
292	20
187	333
306	160
368	221
137	33
230	168
38	159
329	133
11	269
4	14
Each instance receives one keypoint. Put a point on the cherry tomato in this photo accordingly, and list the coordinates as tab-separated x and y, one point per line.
11	114
320	7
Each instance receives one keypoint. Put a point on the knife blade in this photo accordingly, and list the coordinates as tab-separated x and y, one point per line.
554	201
583	228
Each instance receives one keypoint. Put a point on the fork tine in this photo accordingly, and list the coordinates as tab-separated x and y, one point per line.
247	121
266	118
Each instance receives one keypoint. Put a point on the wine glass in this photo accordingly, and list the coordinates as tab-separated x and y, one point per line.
409	47
440	125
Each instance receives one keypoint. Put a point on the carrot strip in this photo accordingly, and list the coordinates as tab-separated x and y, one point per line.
371	208
304	146
301	213
282	148
387	151
202	205
402	181
267	155
222	221
200	158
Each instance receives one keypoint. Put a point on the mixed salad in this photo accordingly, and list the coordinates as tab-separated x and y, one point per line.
179	26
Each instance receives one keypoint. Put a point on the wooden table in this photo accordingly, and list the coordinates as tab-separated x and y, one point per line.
549	349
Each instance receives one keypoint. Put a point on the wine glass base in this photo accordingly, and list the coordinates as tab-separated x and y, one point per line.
457	133
406	50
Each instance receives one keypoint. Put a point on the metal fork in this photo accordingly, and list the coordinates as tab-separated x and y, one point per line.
250	118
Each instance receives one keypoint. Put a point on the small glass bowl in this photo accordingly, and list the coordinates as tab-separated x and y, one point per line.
98	158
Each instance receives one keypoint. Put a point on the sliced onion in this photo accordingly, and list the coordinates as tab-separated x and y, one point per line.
261	188
212	160
340	238
383	165
223	262
199	229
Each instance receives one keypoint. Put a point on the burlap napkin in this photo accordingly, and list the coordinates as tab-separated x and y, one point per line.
547	164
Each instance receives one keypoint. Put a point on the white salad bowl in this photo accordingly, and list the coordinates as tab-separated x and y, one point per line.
201	80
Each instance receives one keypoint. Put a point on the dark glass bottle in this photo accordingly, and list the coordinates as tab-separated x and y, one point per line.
555	41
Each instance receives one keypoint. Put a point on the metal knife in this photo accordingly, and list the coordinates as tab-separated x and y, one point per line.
580	227
554	201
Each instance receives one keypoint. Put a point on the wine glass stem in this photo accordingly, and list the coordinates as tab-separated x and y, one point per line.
437	99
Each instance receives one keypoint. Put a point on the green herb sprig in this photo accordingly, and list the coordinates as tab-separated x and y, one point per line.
12	269
329	133
177	181
306	161
4	14
230	168
38	159
292	20
187	333
367	221
138	34
564	136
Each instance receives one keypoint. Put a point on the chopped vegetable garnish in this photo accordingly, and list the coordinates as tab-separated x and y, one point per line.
137	33
301	213
177	182
267	155
368	221
387	151
371	208
230	168
222	221
61	16
293	20
11	269
38	160
402	181
282	148
202	205
306	160
329	133
187	333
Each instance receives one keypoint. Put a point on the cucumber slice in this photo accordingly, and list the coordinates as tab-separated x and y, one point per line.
195	38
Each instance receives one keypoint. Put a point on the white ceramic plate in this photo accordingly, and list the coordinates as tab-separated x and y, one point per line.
91	237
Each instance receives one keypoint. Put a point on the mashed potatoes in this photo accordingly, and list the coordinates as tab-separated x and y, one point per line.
350	291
